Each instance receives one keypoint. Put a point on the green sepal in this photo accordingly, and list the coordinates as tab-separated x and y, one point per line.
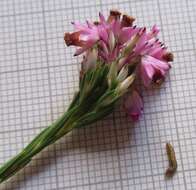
94	116
112	75
92	80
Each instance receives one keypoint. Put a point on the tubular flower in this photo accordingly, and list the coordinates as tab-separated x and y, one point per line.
133	105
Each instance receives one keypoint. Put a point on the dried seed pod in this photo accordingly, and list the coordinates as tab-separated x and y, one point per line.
114	15
127	21
172	161
168	56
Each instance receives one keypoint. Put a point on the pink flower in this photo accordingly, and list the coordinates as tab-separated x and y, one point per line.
153	33
85	36
114	40
117	39
153	70
126	33
133	105
111	34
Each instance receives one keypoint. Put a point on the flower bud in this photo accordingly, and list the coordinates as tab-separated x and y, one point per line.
134	105
122	62
123	74
123	86
112	73
111	41
90	60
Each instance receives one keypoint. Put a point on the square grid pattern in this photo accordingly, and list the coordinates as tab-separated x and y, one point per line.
38	77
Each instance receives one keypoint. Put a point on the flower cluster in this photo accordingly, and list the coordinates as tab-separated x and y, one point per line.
116	41
115	54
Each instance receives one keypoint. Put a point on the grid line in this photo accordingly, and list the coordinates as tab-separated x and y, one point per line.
38	77
177	132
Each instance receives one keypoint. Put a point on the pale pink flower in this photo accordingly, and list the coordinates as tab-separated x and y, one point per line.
134	105
153	70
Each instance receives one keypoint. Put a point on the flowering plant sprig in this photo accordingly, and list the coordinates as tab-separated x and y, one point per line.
115	54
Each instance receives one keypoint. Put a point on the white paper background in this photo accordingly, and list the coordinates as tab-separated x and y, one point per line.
38	77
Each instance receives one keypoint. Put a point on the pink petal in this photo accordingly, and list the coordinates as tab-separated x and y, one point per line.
141	43
113	55
153	33
158	52
155	30
146	73
103	33
134	105
104	47
151	67
89	31
102	18
89	37
150	46
83	48
80	51
116	27
158	64
103	21
126	33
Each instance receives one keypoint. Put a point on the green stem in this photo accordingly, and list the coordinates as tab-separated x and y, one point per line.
48	136
89	105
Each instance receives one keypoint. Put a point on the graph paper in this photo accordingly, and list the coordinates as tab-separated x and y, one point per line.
39	75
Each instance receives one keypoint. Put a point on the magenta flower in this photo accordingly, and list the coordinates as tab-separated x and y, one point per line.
110	34
113	34
154	57
116	40
153	70
85	36
134	105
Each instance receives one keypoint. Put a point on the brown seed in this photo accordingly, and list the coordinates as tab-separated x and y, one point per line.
172	161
